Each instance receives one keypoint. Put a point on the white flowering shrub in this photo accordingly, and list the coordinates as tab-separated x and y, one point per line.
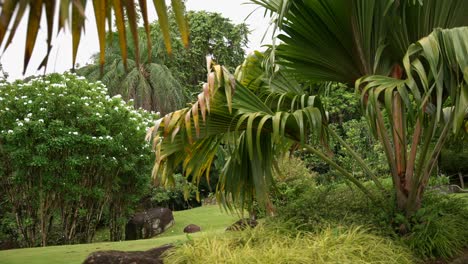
69	153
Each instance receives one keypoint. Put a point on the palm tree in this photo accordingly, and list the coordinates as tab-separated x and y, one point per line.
149	84
72	13
386	48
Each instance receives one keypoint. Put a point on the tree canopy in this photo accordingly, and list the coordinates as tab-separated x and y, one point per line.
211	35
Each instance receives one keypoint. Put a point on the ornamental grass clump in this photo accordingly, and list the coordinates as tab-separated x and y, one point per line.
264	245
69	154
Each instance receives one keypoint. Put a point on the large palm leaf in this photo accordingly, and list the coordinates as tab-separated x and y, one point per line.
73	12
342	40
253	118
229	113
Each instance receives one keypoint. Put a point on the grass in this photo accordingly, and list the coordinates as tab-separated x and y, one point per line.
210	218
326	246
267	245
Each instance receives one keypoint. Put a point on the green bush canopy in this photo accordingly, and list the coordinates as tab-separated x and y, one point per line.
69	153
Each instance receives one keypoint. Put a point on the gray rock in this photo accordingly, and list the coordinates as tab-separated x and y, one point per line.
149	223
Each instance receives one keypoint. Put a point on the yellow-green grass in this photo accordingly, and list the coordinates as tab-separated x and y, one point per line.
267	245
210	218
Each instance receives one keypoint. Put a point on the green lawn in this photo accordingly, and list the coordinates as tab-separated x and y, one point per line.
209	218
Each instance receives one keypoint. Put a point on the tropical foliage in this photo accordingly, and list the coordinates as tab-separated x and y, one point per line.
236	118
211	35
150	84
69	154
269	245
162	82
416	78
72	14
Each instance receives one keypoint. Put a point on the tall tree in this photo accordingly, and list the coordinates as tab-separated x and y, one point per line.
418	78
150	84
211	35
157	88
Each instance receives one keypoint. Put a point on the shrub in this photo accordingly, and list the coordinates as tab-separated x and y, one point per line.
453	158
312	208
356	134
181	196
293	179
436	230
439	228
263	245
68	151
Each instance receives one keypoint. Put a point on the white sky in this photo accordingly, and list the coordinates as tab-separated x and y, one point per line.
61	55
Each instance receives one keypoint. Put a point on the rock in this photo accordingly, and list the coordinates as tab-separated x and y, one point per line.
192	229
243	224
149	223
447	189
152	256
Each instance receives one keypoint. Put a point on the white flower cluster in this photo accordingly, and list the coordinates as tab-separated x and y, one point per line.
33	100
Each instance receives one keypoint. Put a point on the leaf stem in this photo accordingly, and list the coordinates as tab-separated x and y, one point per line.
343	172
359	160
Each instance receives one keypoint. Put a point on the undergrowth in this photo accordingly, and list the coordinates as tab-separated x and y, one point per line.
271	245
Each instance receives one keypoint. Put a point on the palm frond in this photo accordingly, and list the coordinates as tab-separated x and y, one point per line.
343	40
124	11
231	114
412	20
151	85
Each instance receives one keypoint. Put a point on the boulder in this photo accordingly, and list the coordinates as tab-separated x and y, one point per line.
148	223
242	224
152	256
447	189
192	229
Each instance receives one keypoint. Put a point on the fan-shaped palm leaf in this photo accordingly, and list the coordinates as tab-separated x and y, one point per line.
344	40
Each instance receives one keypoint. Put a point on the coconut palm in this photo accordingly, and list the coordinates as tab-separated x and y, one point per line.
386	48
151	85
71	13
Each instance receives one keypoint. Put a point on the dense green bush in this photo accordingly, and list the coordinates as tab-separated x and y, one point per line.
453	158
180	196
292	180
356	134
69	153
341	103
312	208
267	245
439	228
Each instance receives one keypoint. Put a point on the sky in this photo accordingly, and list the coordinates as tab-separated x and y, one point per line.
61	55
